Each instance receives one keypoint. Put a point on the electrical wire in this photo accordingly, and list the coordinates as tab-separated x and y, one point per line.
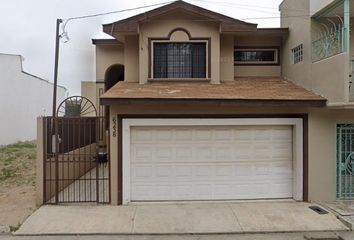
230	4
67	20
64	33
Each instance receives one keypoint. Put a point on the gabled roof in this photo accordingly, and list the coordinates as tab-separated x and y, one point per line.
227	24
241	91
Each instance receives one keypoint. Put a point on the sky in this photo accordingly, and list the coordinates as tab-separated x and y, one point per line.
27	28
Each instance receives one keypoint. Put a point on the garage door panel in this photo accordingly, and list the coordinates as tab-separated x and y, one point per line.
170	173
215	191
218	152
242	133
201	163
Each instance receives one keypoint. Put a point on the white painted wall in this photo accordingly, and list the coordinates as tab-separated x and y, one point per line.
23	97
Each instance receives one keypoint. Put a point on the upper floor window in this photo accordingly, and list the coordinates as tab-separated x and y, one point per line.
297	54
179	60
256	56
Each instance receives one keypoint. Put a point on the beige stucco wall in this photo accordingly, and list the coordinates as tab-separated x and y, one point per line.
321	145
257	71
299	33
226	57
330	78
106	56
131	57
161	27
89	90
92	91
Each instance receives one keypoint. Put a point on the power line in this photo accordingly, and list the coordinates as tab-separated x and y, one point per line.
231	4
227	4
265	18
67	20
234	4
120	11
206	20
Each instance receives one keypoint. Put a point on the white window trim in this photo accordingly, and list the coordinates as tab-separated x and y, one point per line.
189	41
275	62
296	123
299	50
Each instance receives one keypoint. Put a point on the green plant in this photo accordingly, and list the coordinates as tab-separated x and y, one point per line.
32	155
15	228
6	173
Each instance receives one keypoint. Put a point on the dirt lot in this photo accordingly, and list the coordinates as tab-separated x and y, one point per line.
17	183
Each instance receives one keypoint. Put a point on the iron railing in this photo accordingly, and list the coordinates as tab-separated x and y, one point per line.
329	43
76	161
345	161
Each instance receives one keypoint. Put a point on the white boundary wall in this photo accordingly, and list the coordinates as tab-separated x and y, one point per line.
23	98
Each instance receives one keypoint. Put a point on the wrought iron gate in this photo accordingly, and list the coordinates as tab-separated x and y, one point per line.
345	161
76	160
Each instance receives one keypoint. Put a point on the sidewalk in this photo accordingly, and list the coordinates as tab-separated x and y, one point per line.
179	218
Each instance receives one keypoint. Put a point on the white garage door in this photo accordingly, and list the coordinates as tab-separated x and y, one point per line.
210	162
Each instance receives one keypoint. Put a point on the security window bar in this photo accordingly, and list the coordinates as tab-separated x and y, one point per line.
297	54
256	56
345	161
179	60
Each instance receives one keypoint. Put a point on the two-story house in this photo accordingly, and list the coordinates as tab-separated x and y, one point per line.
202	106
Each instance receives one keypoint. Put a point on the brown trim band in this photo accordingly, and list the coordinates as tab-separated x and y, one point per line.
303	116
227	102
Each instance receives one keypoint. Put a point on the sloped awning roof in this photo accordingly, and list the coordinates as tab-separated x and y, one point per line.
241	91
131	24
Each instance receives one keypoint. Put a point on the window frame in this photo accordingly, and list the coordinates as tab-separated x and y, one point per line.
276	50
207	57
297	57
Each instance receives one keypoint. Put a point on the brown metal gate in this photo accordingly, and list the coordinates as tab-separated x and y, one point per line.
76	160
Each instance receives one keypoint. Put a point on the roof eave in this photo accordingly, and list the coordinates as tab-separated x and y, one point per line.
107	42
219	102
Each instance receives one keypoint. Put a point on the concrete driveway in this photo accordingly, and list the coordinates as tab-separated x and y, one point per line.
179	218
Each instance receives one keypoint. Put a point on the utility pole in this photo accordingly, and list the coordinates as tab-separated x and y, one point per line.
56	63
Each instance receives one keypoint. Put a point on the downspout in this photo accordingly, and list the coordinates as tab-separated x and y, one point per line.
347	25
347	46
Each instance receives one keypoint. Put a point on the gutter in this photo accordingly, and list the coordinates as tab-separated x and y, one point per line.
337	105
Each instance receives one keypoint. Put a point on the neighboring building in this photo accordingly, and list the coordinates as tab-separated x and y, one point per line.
318	55
24	97
202	106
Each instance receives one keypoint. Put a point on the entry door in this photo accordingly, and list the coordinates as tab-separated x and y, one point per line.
210	163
